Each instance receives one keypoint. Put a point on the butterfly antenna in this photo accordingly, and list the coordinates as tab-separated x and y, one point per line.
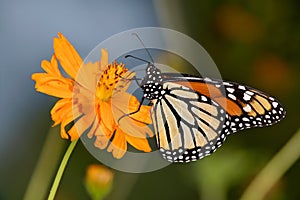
127	56
135	34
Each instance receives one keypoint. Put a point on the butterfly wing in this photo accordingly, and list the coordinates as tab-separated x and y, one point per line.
188	125
246	106
194	116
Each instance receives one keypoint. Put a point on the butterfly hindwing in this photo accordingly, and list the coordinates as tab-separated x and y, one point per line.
188	125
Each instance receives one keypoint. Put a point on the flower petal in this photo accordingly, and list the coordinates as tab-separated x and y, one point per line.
106	115
62	113
143	115
51	67
95	129
63	125
134	128
128	103
104	60
84	99
67	55
73	133
125	81
53	85
61	110
135	124
118	146
138	143
88	76
131	126
81	126
101	141
102	133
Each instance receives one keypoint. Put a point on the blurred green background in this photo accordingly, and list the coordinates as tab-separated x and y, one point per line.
252	42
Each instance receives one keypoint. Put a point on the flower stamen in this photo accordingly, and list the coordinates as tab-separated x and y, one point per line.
108	81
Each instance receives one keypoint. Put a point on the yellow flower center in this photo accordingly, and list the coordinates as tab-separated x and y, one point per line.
108	81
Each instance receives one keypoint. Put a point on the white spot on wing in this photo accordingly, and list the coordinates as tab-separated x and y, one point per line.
249	92
227	84
231	90
241	87
203	98
247	108
275	104
245	119
231	96
246	97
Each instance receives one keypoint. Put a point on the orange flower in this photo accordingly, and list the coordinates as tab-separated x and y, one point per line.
94	100
98	181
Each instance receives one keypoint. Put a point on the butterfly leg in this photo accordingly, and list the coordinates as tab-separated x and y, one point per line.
141	103
133	79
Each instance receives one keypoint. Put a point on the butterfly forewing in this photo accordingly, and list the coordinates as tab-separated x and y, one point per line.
256	109
246	106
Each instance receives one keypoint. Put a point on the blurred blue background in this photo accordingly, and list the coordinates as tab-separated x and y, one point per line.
252	42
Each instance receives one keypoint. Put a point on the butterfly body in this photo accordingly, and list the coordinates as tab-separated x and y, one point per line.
152	83
192	116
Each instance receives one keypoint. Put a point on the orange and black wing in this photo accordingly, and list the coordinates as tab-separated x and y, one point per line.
246	106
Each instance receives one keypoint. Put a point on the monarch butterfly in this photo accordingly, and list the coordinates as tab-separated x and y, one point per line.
192	116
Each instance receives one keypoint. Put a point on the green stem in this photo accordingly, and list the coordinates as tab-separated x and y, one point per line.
274	170
61	170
